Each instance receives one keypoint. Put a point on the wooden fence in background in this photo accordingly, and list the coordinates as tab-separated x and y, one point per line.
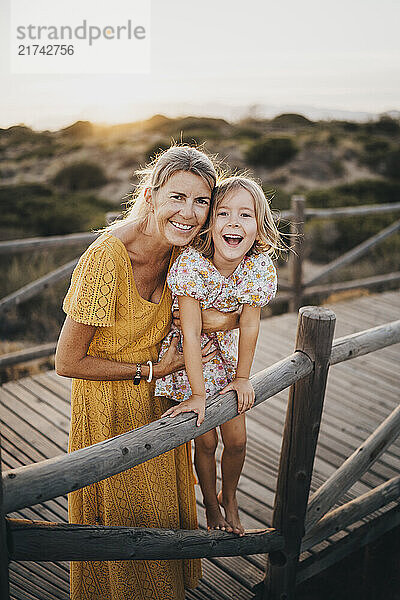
294	291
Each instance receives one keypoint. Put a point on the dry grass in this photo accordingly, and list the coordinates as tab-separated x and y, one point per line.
346	295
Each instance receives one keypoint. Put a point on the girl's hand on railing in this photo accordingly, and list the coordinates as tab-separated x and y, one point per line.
173	360
245	393
195	403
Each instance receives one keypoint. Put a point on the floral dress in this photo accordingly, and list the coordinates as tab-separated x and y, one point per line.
253	282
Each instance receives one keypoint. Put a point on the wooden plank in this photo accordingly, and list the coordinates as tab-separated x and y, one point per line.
222	581
45	412
34	585
51	438
360	537
241	570
52	576
353	511
329	457
64	382
341	440
4	549
46	397
351	470
60	386
23	444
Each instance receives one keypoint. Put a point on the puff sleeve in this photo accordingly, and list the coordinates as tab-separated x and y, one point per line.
258	283
92	294
186	277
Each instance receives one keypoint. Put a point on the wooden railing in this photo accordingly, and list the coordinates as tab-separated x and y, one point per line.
293	291
298	523
297	289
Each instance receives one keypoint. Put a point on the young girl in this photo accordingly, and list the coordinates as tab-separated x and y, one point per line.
229	267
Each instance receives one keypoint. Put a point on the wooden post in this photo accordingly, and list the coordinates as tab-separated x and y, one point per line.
296	258
314	337
4	585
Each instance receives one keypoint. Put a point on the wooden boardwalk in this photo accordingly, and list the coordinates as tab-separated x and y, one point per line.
35	411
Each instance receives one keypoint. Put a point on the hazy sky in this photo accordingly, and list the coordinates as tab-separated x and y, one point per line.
342	54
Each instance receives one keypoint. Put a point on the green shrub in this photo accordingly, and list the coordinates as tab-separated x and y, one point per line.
385	125
375	152
364	191
292	120
80	176
327	240
391	164
271	151
35	209
349	126
244	131
19	134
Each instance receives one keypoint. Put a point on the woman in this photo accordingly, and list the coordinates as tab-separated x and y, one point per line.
118	311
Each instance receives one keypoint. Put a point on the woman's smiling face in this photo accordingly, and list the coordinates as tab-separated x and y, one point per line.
234	230
180	207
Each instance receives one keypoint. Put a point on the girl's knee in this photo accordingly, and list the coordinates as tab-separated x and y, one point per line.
235	446
206	443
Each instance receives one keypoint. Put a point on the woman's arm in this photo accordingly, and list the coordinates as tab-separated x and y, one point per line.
249	326
214	320
72	359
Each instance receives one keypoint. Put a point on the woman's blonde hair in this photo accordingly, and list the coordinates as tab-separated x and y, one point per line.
156	174
268	238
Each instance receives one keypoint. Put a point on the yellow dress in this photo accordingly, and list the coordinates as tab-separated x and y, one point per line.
158	493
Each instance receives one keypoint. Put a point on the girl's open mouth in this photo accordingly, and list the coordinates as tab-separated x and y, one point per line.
232	239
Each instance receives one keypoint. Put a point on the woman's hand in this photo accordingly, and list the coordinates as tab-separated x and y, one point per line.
173	360
196	404
214	320
245	393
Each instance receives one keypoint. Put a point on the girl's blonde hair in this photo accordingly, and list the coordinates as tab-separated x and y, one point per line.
156	174
268	238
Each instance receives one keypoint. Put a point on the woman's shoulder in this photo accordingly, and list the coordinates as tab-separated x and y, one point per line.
108	246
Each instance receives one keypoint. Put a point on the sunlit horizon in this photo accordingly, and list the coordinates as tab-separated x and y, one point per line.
226	61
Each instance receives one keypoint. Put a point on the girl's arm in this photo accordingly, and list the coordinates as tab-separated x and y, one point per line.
72	359
191	324
249	325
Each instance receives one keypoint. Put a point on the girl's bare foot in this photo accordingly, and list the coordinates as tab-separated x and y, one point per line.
214	517
231	514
